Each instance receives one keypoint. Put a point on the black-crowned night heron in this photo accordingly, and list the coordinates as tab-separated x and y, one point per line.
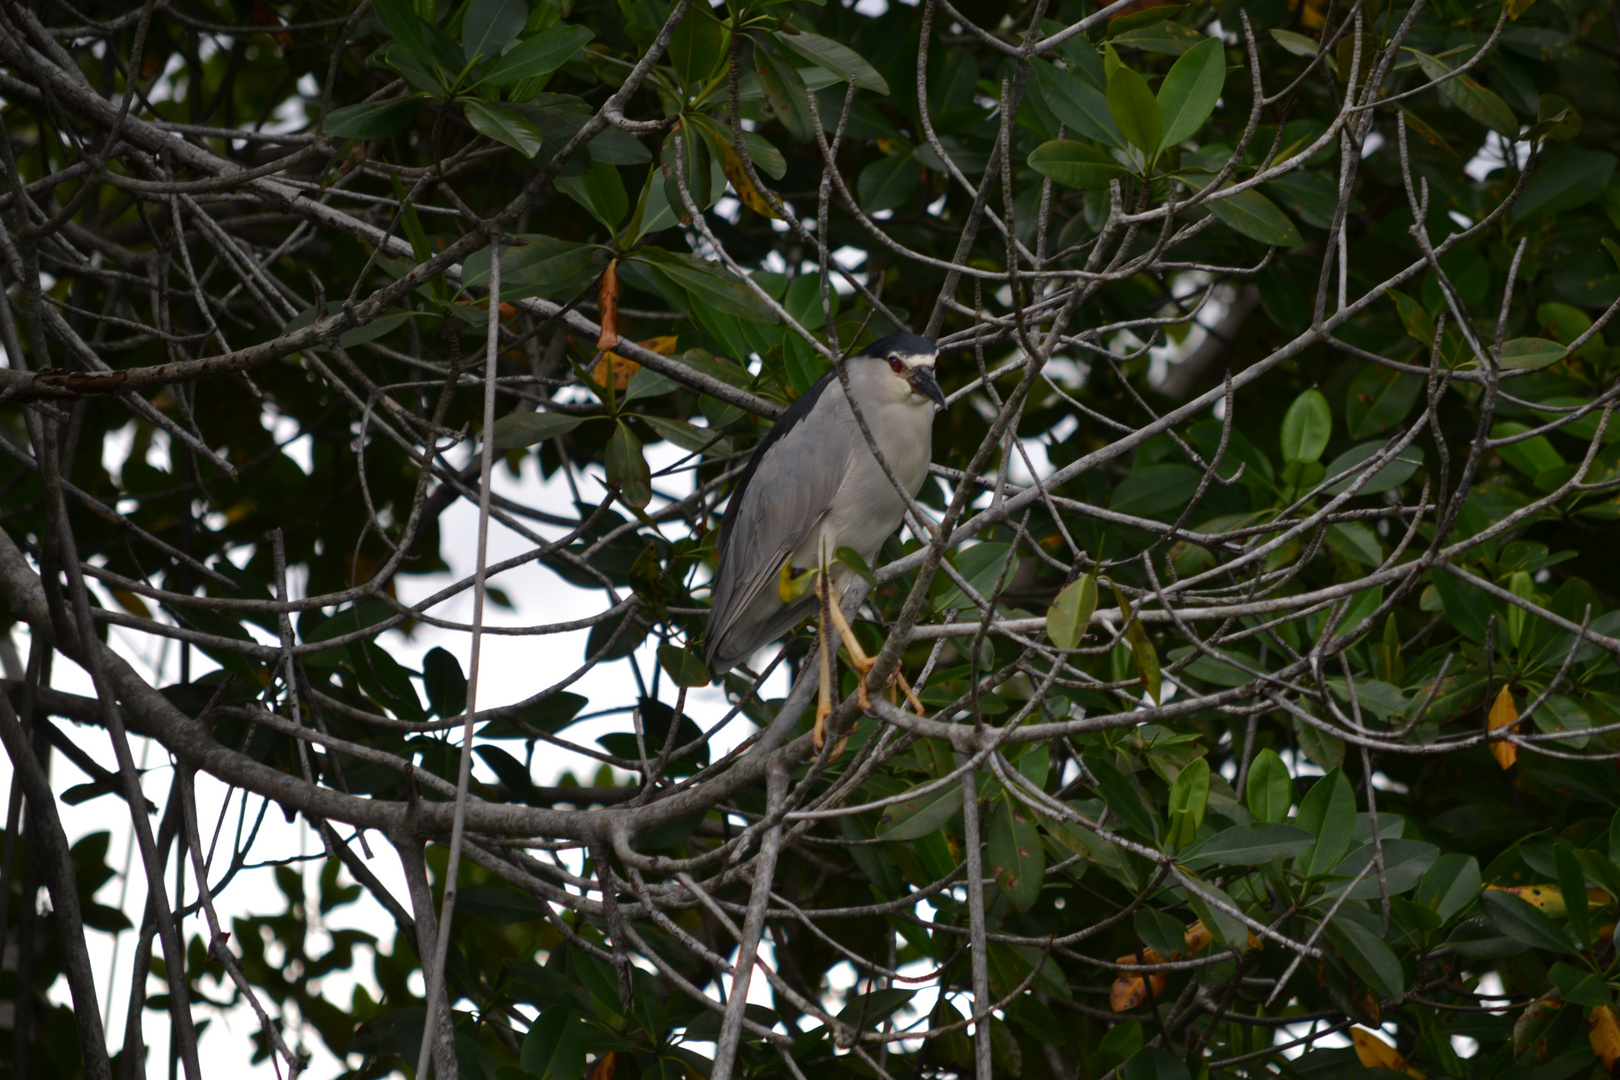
812	487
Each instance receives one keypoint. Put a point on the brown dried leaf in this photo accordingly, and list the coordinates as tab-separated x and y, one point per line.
607	300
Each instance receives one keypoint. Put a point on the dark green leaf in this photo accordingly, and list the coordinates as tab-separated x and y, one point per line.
1017	859
1122	797
1135	111
444	681
1530	354
1470	97
505	123
888	182
1075	164
914	818
1450	885
1328	812
1270	790
599	190
372	121
1521	921
490	25
1257	842
539	55
1367	955
835	57
784	93
520	429
1190	90
1378	399
697	49
627	466
554	1048
1077	103
1391	475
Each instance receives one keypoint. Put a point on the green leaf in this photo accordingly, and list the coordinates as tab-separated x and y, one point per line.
1189	796
1572	880
1135	111
1298	44
851	558
784	93
539	55
1470	97
490	25
1269	791
1075	164
424	42
1017	859
1251	214
1532	456
835	57
698	48
683	665
554	1048
1190	90
1613	249
1122	797
914	818
888	182
1521	921
1450	885
385	681
1556	119
509	771
445	684
1530	354
599	190
541	266
1419	324
1169	38
1070	614
505	123
1467	608
1578	985
709	282
689	437
1306	427
1143	654
1154	1063
627	467
1367	955
1328	812
1077	103
1378	399
380	121
1251	844
1392	475
517	430
1156	489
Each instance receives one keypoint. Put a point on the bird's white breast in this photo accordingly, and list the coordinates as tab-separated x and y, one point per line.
867	509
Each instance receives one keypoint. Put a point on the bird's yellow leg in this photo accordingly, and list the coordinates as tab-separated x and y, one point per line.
824	705
857	656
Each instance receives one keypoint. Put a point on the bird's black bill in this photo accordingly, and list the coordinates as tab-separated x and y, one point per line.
923	381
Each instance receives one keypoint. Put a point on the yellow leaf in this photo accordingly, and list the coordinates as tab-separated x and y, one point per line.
732	166
1197	938
1375	1053
1603	1031
1503	714
1515	8
131	603
1550	899
621	369
1129	991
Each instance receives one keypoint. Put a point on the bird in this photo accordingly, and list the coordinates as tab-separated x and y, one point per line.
813	486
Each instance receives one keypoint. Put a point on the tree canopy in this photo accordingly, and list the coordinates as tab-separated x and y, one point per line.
1259	602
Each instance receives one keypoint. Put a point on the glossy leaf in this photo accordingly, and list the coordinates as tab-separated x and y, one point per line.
627	466
1070	614
379	121
1328	812
1269	791
1249	845
835	57
1075	164
1017	859
539	55
1190	90
1306	427
509	124
1135	111
1466	93
1077	103
888	182
912	819
490	26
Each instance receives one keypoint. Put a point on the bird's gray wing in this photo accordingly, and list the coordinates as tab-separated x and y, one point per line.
786	490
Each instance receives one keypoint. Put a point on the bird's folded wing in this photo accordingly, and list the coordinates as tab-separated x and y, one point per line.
788	494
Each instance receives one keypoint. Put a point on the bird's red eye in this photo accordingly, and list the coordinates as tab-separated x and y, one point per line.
895	364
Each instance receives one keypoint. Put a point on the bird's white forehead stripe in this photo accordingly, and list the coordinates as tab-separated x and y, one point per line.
923	360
